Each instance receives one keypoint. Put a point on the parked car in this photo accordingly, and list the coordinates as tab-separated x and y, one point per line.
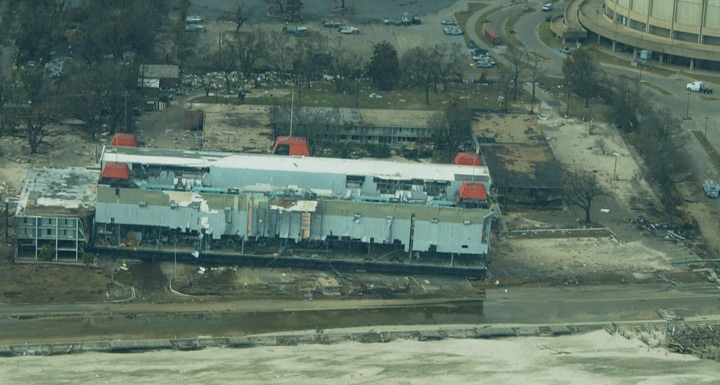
448	22
486	62
453	31
547	7
480	51
195	28
565	50
349	30
193	19
416	19
331	24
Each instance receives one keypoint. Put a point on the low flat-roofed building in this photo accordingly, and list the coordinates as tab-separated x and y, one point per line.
523	167
359	125
158	75
55	213
212	199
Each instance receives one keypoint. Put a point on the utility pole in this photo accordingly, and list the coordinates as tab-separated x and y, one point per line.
125	94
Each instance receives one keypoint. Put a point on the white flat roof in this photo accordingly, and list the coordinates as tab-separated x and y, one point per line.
385	169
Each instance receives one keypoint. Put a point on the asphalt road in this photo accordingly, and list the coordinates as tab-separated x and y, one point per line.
367	10
581	304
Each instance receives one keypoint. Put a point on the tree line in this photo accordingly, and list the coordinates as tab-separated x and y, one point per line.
655	134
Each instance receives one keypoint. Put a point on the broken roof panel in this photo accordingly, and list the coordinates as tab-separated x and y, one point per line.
385	169
58	192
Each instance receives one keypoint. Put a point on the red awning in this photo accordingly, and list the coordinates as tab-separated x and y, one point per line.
298	146
124	140
467	159
116	171
473	191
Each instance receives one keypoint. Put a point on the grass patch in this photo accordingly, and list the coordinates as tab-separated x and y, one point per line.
323	94
658	89
546	35
462	17
707	78
510	26
714	157
606	58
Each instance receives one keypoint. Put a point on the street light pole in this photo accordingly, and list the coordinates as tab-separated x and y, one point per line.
687	109
175	250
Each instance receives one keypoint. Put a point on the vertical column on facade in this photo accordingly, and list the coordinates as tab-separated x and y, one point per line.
703	15
613	45
692	64
77	237
57	232
661	56
37	235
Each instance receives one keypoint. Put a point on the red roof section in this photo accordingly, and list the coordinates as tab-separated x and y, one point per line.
124	140
298	145
116	171
473	191
467	159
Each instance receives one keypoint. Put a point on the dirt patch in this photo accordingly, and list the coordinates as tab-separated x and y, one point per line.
43	283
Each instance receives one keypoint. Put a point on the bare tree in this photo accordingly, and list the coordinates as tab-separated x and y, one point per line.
537	70
249	49
581	74
504	84
225	61
294	7
625	104
311	58
276	3
311	123
660	139
420	68
450	63
581	188
34	106
344	63
280	51
236	15
518	58
451	127
38	21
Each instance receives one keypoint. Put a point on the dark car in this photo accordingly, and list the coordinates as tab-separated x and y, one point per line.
480	52
565	50
416	19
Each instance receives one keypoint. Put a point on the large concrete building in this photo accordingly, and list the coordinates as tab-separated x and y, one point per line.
221	201
54	216
684	32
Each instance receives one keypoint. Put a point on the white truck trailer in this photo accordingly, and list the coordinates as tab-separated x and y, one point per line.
698	86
